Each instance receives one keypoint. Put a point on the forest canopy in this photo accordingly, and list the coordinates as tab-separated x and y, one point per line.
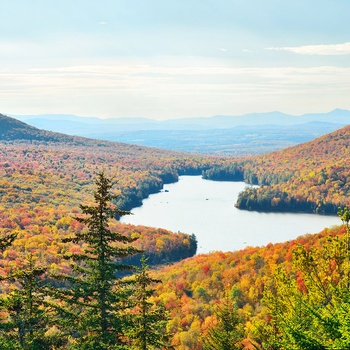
313	177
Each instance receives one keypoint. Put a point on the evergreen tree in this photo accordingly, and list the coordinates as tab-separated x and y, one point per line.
7	240
310	306
95	297
228	333
27	322
148	322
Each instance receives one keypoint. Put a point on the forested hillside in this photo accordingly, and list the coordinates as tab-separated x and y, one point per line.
45	180
12	129
195	288
45	176
312	177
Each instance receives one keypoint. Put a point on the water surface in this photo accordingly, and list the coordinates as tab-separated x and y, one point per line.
206	208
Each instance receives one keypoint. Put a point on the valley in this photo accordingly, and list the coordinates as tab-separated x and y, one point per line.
45	176
174	175
234	136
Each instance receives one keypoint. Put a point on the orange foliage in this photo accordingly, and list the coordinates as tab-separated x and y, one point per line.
191	297
42	184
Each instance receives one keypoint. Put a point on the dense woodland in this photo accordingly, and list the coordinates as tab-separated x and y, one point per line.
313	177
43	181
248	299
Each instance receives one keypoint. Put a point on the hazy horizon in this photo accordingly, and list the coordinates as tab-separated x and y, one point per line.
59	115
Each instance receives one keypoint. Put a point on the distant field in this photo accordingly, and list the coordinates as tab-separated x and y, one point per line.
238	141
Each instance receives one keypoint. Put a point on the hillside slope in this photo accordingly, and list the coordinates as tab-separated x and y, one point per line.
193	288
45	176
12	129
312	177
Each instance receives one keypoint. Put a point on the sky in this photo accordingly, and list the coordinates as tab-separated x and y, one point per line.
173	59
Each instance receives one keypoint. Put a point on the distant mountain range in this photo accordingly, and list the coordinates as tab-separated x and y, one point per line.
86	126
223	135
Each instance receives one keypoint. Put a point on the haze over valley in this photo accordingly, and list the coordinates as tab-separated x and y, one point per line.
221	135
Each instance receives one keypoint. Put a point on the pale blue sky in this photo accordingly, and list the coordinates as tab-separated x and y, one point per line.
173	59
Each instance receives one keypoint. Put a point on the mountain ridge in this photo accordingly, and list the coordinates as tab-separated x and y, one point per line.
312	177
250	134
341	116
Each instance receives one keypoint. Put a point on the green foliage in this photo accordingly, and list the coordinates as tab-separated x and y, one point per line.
148	321
42	184
312	177
7	240
228	172
310	306
160	246
228	332
95	296
28	321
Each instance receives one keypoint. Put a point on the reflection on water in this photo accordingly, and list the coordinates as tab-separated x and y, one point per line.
206	208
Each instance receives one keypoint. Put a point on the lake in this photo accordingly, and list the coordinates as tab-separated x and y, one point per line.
206	208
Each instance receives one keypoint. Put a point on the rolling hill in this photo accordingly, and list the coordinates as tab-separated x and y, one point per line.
313	177
195	288
45	176
13	130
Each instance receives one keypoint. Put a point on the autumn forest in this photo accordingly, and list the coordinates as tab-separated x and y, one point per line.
74	277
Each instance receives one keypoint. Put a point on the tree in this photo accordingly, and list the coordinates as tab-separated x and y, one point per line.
95	296
228	333
310	306
7	240
148	321
27	322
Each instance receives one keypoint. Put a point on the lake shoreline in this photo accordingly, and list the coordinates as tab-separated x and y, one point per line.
206	209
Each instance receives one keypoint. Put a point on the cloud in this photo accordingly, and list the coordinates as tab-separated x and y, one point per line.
222	49
125	89
112	77
115	71
102	23
323	50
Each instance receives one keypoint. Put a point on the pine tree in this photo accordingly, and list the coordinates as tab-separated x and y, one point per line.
95	297
228	333
148	321
27	321
7	240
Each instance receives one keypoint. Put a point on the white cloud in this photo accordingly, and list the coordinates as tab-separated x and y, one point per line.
210	76
122	89
154	85
324	50
102	23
